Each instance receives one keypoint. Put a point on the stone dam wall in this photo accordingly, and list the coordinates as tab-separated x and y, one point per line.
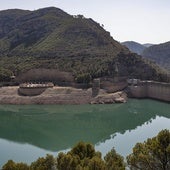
150	89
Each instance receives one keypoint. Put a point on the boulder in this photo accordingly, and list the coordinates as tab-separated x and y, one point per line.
118	97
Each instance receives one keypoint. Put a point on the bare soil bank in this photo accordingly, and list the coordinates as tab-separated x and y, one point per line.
59	95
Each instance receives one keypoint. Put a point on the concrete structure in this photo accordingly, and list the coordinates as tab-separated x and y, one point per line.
149	89
32	89
95	87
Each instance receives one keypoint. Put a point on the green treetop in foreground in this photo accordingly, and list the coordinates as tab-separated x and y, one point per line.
84	157
153	154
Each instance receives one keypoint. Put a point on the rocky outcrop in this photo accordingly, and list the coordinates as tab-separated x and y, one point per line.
118	97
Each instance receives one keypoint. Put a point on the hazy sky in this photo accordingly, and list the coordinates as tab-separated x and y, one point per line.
144	21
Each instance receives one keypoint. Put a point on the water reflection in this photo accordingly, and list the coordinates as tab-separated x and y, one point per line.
33	131
125	142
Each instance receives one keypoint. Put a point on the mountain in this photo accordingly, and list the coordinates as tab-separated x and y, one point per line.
148	45
51	32
160	54
134	46
52	39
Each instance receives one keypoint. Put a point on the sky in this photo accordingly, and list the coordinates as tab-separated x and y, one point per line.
143	21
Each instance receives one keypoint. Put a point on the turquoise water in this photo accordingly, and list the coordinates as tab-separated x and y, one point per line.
31	131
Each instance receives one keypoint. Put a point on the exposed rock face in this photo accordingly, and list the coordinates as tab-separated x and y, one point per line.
118	97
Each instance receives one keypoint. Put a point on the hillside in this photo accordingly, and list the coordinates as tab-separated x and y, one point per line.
134	46
52	39
148	45
51	32
160	54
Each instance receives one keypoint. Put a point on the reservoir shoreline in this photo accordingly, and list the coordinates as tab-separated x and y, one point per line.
70	95
59	95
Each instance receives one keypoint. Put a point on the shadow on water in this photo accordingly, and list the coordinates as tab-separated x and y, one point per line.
57	127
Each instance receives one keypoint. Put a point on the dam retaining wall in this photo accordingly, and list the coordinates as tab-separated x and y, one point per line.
150	89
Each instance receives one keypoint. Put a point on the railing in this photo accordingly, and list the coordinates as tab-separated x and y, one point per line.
36	85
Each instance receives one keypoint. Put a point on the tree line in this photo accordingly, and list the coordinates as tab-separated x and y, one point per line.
152	154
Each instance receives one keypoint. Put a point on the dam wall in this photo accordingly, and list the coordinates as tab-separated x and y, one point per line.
150	89
159	91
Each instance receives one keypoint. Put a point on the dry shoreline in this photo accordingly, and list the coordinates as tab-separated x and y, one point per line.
60	95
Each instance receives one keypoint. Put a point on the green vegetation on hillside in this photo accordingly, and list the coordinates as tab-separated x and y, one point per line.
50	38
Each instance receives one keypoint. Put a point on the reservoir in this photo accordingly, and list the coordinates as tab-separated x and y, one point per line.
31	131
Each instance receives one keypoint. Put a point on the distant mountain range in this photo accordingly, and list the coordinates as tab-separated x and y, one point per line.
148	44
51	38
134	46
159	53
